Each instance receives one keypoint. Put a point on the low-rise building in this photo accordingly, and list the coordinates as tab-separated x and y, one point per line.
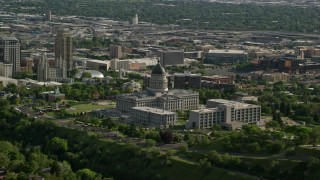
56	95
132	85
98	64
270	77
219	79
4	81
6	70
153	117
225	56
230	114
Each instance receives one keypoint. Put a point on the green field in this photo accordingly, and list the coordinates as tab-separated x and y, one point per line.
87	107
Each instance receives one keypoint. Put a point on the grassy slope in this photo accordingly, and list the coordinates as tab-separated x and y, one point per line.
185	170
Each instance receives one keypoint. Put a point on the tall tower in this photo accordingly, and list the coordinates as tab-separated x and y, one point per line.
10	52
63	50
158	82
43	68
135	20
48	16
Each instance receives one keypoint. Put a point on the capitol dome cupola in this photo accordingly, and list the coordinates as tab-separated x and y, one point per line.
158	81
158	69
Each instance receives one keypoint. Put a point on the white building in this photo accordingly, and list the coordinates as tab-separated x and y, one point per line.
153	117
135	20
231	114
218	56
6	70
4	81
158	95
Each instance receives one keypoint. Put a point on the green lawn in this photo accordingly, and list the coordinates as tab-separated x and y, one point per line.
182	169
87	107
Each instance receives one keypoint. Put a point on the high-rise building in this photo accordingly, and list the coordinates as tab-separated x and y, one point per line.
116	51
63	50
48	16
171	57
10	52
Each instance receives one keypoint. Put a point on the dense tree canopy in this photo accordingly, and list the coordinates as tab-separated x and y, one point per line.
200	14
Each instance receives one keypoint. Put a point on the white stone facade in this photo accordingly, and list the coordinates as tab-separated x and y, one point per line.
220	111
153	117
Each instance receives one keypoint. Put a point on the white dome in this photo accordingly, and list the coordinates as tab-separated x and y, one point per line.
94	74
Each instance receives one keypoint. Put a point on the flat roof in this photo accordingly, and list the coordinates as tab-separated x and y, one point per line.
98	61
206	110
154	110
6	38
227	51
7	79
186	74
231	103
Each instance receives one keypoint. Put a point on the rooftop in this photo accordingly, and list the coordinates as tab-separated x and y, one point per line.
231	103
227	51
206	110
98	61
186	74
154	110
7	79
8	39
158	69
147	94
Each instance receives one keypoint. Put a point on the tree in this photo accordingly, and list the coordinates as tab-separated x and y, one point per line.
251	129
150	142
279	119
316	118
274	116
88	174
283	107
301	138
186	137
205	163
314	136
107	122
216	127
57	146
61	169
12	88
266	110
86	75
166	136
273	124
302	110
288	109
